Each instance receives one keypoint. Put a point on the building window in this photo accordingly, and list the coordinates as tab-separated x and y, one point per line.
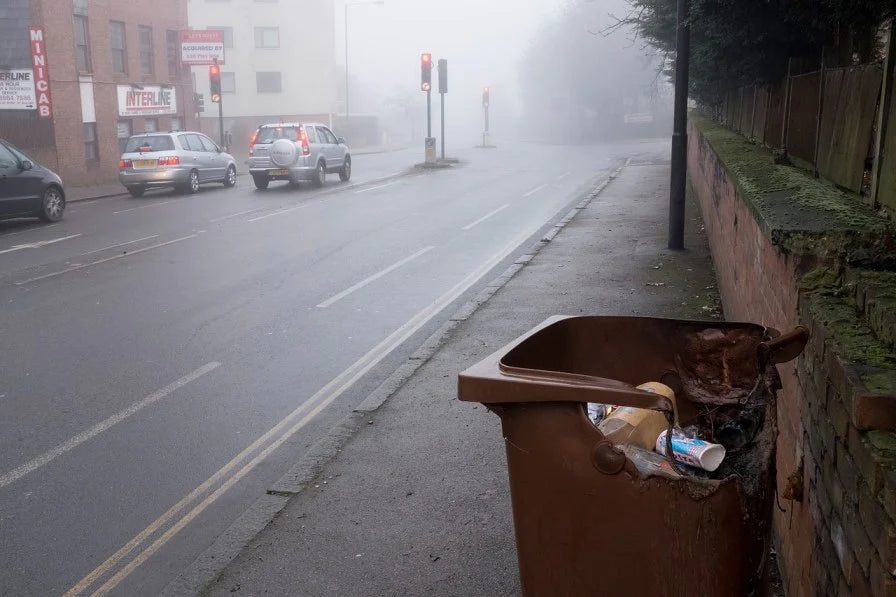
228	82
268	82
146	56
177	123
91	151
151	125
82	44
267	37
172	43
124	132
119	47
228	35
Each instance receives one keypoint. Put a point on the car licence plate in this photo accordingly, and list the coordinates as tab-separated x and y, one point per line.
145	163
278	172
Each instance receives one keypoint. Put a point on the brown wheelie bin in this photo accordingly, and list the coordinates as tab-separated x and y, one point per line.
586	522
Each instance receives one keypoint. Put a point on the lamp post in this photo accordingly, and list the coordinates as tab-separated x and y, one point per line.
347	4
680	135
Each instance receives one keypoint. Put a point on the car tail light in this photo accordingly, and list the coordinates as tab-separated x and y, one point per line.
306	149
252	143
123	164
171	160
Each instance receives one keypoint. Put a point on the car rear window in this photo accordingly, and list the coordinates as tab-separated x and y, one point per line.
149	143
272	133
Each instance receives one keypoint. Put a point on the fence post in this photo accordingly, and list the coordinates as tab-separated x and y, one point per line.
753	116
785	125
883	117
768	110
819	115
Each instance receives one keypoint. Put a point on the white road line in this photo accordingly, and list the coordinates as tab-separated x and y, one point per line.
564	175
372	278
71	444
130	242
278	212
236	215
123	211
38	244
535	190
99	261
382	186
27	230
280	433
485	217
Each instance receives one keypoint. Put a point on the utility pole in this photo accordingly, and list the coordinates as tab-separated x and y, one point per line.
486	101
678	190
443	89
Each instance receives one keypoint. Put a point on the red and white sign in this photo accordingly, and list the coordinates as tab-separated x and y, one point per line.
150	100
201	47
41	74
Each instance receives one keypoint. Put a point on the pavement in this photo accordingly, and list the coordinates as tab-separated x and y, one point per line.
173	356
408	493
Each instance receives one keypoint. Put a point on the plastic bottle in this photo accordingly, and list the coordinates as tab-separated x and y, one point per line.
637	426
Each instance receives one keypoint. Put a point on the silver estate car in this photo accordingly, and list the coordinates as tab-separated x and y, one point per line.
297	152
183	160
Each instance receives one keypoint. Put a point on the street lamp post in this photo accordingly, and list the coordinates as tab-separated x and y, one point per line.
679	182
347	4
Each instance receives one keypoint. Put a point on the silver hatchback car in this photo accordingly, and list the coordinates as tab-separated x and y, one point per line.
183	160
297	152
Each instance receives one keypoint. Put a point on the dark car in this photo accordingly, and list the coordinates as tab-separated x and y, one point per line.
27	189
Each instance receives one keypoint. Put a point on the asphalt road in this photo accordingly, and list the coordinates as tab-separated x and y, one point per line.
166	359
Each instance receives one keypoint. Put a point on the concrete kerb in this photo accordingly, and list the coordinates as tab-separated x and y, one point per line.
211	563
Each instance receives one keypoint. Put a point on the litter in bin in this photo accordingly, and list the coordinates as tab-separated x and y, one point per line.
637	426
692	451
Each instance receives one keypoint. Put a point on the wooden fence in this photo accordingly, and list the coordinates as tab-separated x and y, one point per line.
827	121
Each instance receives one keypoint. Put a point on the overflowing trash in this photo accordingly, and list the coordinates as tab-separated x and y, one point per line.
641	434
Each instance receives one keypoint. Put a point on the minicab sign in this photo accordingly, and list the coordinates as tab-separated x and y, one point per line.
201	47
17	90
150	100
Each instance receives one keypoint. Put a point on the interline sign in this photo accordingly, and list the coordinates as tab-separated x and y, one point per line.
150	100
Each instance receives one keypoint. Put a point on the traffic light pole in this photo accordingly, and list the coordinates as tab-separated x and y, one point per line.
443	125
221	121
428	114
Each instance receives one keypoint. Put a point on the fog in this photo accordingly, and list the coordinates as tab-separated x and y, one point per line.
539	60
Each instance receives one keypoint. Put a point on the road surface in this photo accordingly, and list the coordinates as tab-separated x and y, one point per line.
167	359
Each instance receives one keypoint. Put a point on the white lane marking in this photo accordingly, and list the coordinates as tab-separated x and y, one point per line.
107	259
564	175
278	212
326	395
485	217
382	186
124	211
130	242
38	244
236	215
71	444
372	278
29	229
535	190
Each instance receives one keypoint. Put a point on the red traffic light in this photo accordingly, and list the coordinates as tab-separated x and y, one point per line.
214	70
426	57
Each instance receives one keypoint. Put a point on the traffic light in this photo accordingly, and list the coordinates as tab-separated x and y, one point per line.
426	71
214	82
485	99
199	102
443	76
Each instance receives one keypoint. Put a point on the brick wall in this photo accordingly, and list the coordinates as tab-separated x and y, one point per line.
839	539
57	20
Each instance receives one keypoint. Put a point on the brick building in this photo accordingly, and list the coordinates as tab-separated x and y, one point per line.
113	69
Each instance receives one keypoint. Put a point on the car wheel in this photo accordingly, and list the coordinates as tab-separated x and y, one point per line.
137	190
193	184
230	177
53	205
320	176
346	173
261	182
